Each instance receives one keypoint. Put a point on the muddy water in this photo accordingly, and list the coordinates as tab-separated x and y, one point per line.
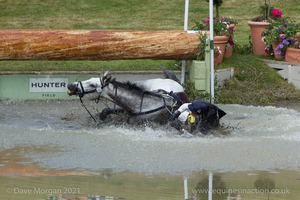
55	145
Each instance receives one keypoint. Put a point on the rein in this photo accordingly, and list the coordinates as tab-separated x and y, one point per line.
81	94
80	98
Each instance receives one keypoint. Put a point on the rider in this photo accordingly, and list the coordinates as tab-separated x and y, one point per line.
207	115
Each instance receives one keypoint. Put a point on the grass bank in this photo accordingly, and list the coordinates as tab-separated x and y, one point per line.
254	82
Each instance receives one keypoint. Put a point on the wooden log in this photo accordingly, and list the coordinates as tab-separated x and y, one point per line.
97	45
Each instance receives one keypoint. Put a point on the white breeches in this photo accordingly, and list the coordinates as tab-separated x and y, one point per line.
184	110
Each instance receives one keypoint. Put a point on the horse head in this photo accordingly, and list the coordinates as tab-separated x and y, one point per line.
90	88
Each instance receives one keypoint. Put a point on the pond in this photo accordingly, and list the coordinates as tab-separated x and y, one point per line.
52	148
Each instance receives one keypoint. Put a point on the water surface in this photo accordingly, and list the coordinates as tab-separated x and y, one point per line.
56	143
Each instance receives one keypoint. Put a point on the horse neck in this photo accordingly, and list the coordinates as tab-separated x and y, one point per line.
123	97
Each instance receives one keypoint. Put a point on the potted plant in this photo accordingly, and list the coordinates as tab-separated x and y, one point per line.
230	21
202	50
293	50
232	25
279	35
221	34
217	53
258	24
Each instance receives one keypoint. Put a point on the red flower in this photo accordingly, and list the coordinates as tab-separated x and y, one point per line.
277	13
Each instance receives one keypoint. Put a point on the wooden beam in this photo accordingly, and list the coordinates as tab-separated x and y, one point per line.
97	45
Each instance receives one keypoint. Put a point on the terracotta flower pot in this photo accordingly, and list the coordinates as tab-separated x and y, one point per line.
216	56
256	30
229	48
228	51
220	41
292	55
276	56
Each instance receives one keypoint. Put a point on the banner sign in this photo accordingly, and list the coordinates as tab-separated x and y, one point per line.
48	84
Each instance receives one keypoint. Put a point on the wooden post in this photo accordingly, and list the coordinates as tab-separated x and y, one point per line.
97	45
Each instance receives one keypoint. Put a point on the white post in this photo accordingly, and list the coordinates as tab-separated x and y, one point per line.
186	15
185	27
185	185
211	38
210	185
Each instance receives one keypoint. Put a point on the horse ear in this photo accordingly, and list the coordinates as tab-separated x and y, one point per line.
105	79
108	78
106	73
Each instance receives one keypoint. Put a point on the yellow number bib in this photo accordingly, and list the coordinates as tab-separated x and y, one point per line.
191	118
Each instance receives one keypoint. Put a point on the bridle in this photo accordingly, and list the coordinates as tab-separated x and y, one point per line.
82	92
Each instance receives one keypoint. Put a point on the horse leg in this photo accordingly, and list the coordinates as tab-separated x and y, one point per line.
108	111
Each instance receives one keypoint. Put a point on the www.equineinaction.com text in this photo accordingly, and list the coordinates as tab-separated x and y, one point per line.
242	191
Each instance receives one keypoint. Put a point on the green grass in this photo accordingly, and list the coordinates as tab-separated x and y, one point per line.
129	15
120	65
262	84
255	83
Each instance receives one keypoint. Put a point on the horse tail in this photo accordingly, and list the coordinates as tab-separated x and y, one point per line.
170	75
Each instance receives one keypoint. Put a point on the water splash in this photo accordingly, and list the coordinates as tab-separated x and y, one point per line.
260	138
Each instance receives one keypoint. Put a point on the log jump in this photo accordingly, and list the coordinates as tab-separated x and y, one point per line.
97	45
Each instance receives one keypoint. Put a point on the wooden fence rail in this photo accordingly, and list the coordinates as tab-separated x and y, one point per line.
97	45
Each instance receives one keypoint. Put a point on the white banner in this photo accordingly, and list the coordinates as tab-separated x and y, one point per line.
48	84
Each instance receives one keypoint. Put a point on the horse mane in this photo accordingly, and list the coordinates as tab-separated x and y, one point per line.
127	85
133	86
